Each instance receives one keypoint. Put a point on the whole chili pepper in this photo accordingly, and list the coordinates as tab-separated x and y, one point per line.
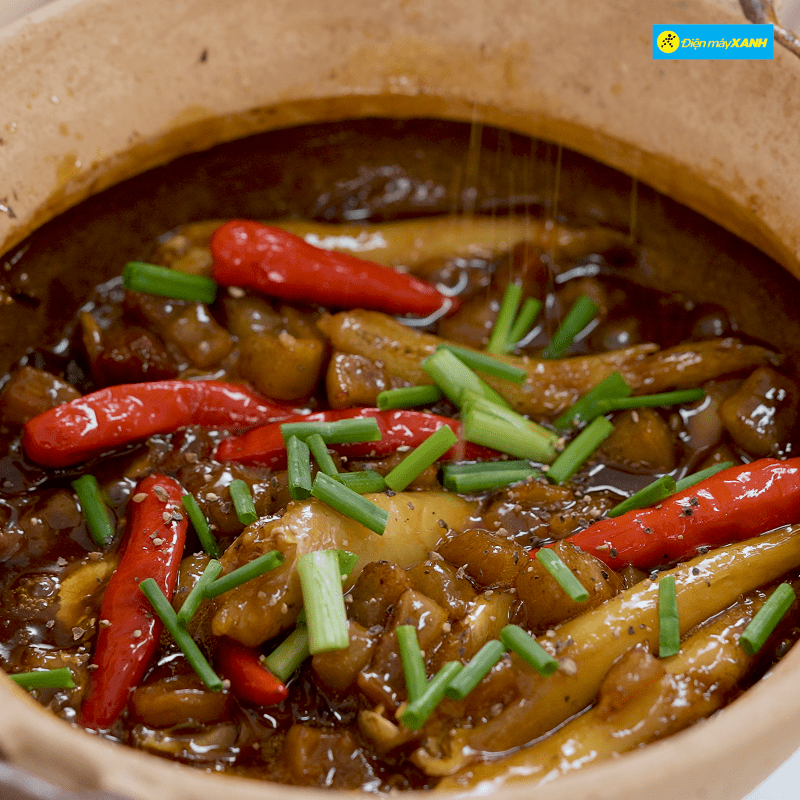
109	418
129	630
277	263
732	505
264	446
250	680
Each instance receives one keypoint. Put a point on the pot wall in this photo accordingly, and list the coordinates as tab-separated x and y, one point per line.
96	91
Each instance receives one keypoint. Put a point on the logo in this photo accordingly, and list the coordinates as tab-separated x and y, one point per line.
668	41
713	42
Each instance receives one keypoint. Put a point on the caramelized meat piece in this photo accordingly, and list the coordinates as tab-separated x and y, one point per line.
375	592
488	558
337	670
544	601
353	380
31	391
198	336
178	700
443	583
640	442
762	414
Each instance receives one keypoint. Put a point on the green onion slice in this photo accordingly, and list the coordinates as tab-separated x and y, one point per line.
653	493
366	482
188	646
98	520
578	317
323	600
349	503
287	657
766	620
480	362
316	444
59	678
454	377
414	715
198	592
501	332
579	450
489	430
421	457
564	576
243	502
152	279
585	409
697	477
298	468
201	527
669	632
342	431
413	662
258	566
649	400
408	397
528	649
524	321
483	477
475	671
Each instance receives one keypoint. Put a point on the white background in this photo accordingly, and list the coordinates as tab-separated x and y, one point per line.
783	784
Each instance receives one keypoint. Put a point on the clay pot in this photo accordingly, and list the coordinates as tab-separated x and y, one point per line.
95	91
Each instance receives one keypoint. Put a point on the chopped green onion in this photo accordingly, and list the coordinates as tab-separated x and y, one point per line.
471	400
243	502
697	477
298	469
197	661
501	332
413	716
528	649
669	632
489	430
347	562
316	444
287	657
323	600
524	321
165	282
766	620
349	503
578	317
480	362
475	671
473	478
198	592
413	663
59	678
585	409
342	431
649	400
454	377
252	569
653	493
200	524
94	509
421	457
366	482
408	397
579	450
563	575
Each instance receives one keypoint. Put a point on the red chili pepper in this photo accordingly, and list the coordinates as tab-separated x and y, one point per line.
264	446
129	630
280	264
250	680
730	506
112	417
